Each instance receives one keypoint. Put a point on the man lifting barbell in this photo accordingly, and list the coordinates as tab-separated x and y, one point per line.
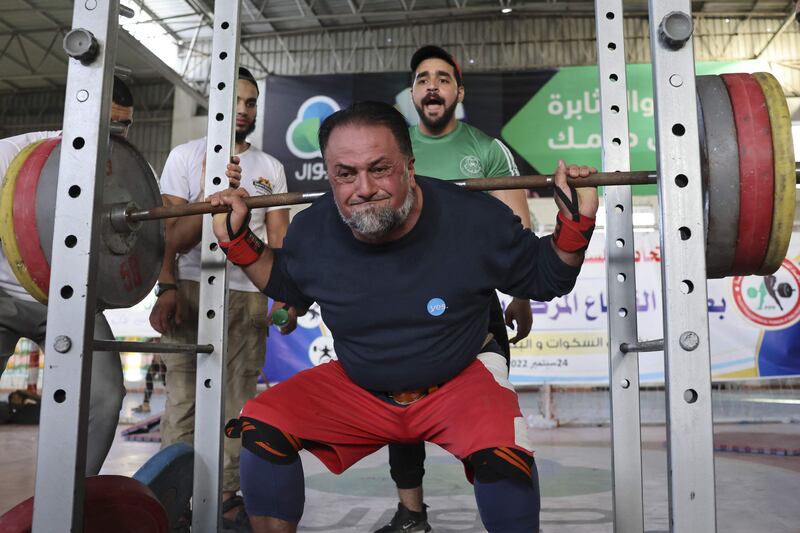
422	368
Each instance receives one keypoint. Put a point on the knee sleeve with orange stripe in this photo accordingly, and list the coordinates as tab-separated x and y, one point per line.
264	440
494	464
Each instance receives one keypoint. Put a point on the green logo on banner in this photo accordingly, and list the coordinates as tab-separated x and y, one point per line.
562	120
301	136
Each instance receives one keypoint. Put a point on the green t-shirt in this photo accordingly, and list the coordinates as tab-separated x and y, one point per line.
464	153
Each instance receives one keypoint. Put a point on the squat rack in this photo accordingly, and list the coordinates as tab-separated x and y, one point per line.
69	342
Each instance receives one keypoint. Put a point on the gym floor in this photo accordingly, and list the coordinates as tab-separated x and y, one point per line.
755	493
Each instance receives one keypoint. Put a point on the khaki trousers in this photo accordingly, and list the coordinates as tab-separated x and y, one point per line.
247	334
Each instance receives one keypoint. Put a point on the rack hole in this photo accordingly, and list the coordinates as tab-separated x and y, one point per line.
221	85
678	130
622	312
690	395
60	396
217	148
211	313
687	286
212	246
78	143
610	15
621	277
66	292
620	243
612	46
685	233
216	180
207	383
225	25
74	191
619	208
212	279
617	141
615	109
681	180
223	55
219	117
71	241
613	77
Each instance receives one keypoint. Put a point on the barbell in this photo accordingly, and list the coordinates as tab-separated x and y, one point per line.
748	181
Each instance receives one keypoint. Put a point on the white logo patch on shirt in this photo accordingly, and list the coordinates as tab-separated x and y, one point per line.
263	185
471	166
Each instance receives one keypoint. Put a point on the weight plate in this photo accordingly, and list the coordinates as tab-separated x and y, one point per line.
8	234
112	503
720	174
169	474
784	165
30	247
756	180
128	264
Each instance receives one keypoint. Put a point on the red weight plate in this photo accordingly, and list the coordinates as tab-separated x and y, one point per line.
30	247
112	503
756	172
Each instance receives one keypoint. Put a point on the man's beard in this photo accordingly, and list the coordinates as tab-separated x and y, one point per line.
375	222
241	136
435	125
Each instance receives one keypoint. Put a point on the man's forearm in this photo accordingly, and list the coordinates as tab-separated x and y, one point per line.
168	264
185	233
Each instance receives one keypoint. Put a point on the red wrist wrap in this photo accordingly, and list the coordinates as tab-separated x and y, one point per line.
243	250
571	236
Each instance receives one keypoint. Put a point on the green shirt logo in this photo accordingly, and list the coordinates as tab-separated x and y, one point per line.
471	166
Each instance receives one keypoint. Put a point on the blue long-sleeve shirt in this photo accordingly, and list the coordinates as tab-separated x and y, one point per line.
413	312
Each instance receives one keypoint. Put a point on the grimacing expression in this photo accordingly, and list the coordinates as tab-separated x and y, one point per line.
246	109
372	180
436	93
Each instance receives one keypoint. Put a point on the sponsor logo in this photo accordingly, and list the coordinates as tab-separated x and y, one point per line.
436	307
301	136
471	166
321	351
312	319
772	302
263	185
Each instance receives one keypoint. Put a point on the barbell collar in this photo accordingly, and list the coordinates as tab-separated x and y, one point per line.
120	221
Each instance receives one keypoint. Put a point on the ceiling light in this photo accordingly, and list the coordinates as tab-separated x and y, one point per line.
506	10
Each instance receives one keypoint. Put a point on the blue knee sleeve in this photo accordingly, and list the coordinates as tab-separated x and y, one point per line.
270	489
509	506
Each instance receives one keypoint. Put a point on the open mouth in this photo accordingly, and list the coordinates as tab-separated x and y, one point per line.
433	103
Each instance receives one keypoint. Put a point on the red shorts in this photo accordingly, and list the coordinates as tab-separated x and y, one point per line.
344	423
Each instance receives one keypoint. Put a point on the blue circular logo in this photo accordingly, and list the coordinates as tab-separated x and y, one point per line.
436	306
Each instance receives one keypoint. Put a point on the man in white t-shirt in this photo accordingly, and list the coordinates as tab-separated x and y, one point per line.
176	310
22	316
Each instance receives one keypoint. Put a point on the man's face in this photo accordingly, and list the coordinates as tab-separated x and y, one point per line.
246	109
122	115
372	181
436	93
